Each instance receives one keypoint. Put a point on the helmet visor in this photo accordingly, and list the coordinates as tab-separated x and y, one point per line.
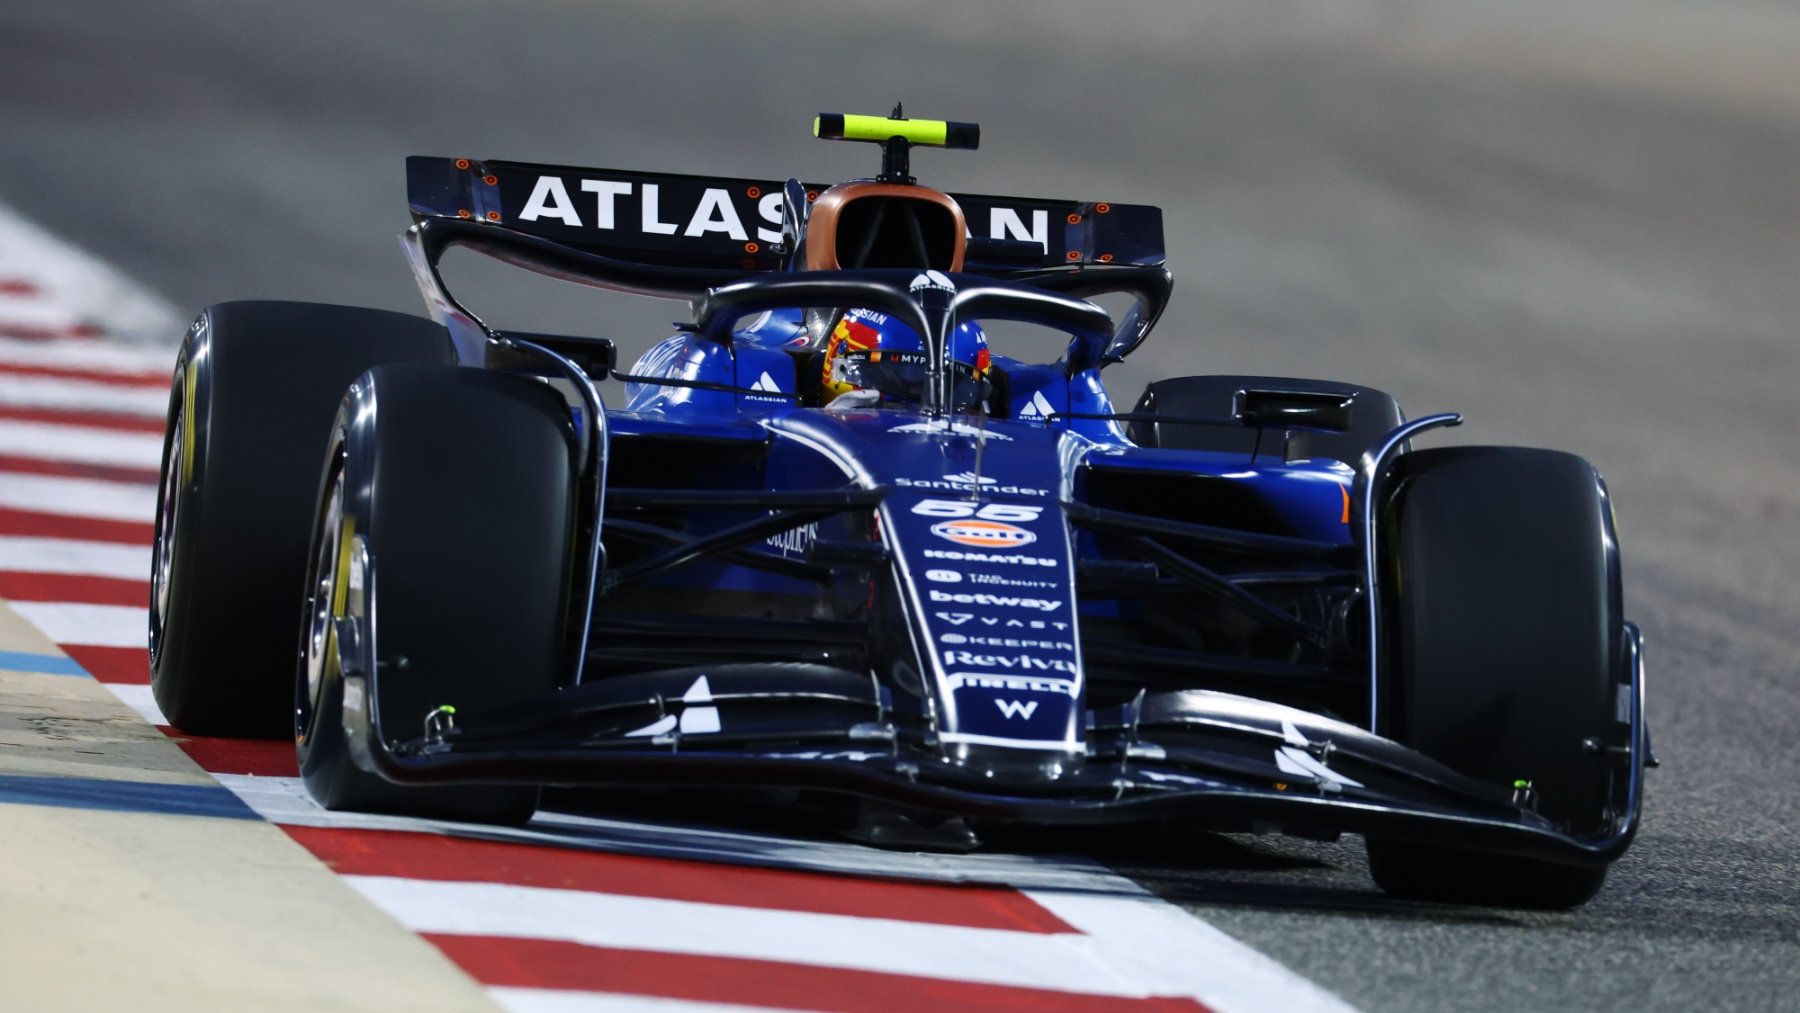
900	377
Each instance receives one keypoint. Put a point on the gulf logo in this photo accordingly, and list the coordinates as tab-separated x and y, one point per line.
984	534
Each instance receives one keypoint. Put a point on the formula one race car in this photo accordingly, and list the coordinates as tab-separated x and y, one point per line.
833	543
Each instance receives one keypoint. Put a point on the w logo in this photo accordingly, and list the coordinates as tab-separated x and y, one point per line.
1016	708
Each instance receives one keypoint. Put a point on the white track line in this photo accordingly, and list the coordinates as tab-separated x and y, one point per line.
139	698
1057	961
29	554
87	625
1162	948
47	441
82	285
77	497
284	800
551	1000
80	395
88	355
1159	948
32	312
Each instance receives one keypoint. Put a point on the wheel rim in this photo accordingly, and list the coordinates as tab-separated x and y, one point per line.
168	523
326	601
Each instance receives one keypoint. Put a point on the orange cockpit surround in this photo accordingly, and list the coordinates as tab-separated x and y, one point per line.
828	216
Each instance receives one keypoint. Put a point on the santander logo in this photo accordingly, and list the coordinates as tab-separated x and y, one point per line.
984	534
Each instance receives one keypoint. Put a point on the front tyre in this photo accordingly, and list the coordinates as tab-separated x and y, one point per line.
255	387
1507	654
457	486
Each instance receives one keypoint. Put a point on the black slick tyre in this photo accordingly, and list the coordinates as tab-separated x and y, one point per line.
1505	645
459	485
254	391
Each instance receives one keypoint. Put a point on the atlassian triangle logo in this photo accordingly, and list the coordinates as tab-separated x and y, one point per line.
767	384
1038	407
932	280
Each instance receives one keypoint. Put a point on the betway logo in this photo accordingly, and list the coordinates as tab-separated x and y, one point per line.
995	600
1022	662
987	557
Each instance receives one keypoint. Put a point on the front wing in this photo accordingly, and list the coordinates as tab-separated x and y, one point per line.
1229	761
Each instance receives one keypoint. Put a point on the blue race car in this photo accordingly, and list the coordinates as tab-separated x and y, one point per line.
837	541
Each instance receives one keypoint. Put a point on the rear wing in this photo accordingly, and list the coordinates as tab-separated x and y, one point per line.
715	223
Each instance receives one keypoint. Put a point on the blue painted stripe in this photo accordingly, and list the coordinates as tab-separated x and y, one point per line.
48	664
124	796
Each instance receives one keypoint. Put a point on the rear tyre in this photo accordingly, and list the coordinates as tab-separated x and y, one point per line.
459	485
1373	414
1506	650
251	405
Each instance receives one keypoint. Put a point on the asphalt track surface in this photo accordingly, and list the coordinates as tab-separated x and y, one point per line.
1577	223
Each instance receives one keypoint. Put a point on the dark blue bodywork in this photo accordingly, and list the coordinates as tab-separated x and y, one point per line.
1014	614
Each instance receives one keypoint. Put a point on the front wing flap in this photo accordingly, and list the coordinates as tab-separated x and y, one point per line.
1231	761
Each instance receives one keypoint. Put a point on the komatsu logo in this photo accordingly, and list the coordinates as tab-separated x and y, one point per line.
986	557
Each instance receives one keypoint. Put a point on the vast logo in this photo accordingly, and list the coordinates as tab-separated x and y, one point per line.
998	622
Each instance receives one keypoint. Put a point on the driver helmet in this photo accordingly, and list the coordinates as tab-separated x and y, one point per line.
871	352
